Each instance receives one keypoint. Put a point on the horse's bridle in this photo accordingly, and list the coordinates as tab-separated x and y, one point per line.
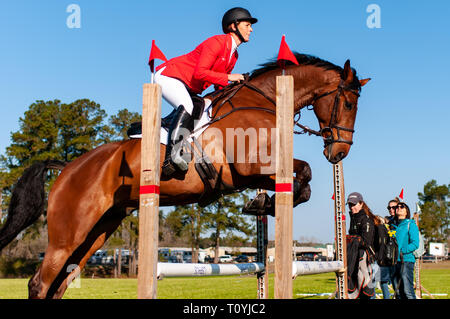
326	132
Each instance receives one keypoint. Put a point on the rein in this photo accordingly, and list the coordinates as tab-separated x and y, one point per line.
326	132
229	92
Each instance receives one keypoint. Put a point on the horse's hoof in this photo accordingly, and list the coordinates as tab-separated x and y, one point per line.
304	194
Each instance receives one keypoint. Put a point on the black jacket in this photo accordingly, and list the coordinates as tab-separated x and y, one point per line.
361	225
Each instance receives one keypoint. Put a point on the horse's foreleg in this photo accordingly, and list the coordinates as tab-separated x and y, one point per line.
302	171
94	241
301	179
303	175
301	190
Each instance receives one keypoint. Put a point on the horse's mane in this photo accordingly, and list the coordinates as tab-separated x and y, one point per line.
304	59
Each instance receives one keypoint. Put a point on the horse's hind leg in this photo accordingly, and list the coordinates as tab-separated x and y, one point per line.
65	251
54	260
94	241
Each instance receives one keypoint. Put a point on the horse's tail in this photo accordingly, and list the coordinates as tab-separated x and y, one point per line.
27	200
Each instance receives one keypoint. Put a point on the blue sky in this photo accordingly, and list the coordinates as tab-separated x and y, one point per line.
401	138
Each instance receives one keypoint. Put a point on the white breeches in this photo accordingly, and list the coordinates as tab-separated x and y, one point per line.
174	91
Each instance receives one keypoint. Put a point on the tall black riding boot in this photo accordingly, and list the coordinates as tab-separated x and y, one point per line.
182	126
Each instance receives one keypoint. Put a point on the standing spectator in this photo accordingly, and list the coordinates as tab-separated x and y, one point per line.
387	272
360	252
392	206
408	241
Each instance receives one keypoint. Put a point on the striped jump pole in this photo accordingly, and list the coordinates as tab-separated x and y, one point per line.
261	257
149	192
340	230
283	187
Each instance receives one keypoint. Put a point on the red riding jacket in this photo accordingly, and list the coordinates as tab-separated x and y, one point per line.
209	63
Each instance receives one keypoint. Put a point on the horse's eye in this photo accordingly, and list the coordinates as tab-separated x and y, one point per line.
348	105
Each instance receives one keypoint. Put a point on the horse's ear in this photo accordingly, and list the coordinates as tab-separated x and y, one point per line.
347	74
364	81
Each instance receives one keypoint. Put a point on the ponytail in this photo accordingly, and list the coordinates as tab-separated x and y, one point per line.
369	213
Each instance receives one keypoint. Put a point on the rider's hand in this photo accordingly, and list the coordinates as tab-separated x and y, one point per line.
235	77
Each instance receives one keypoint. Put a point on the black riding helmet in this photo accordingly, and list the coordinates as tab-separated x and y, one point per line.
235	15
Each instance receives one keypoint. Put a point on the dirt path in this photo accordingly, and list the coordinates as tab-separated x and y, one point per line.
439	265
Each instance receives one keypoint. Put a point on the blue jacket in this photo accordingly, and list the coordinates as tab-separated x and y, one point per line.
407	241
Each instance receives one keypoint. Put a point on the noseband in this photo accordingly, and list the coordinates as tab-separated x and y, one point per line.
326	132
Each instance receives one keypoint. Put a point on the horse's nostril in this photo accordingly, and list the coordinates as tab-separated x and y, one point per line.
336	159
339	156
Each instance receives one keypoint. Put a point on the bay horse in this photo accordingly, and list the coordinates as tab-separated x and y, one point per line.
91	195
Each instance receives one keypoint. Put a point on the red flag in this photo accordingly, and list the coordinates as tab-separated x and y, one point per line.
155	53
401	195
332	197
285	54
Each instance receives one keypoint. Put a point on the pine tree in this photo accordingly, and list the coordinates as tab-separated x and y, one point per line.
435	216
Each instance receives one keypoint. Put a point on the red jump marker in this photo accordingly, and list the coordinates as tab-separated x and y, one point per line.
149	189
283	187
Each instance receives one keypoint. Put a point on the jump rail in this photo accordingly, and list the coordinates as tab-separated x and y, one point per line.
194	270
316	267
299	268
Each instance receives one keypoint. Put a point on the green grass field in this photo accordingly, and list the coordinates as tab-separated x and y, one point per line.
436	281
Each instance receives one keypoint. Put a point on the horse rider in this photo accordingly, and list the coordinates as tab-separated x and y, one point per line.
182	77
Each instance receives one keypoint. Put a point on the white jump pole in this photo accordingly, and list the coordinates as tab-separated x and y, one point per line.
149	192
299	268
283	187
199	270
316	267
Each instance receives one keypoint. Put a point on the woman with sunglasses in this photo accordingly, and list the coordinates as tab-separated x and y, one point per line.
408	241
391	207
360	251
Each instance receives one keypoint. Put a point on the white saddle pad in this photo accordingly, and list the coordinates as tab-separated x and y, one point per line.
205	118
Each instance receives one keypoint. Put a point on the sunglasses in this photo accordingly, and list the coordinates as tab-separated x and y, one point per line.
350	205
396	207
